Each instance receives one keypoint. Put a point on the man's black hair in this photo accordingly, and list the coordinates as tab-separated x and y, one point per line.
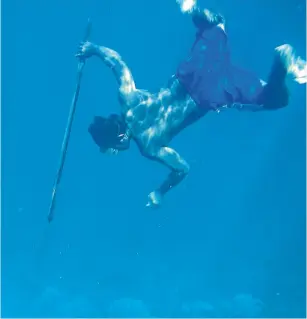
106	131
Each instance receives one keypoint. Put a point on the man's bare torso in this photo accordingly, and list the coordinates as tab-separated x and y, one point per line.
154	119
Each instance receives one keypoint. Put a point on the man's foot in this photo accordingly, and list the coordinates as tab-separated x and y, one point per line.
154	199
186	5
299	71
292	65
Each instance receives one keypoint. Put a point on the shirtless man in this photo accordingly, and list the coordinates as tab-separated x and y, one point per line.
205	81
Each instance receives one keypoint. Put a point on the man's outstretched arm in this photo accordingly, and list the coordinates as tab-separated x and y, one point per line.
202	18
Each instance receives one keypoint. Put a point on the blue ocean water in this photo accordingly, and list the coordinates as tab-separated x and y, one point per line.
228	242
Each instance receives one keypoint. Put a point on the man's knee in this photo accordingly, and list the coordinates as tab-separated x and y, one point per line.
275	97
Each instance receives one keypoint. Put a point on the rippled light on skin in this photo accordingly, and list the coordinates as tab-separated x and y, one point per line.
126	78
149	101
186	5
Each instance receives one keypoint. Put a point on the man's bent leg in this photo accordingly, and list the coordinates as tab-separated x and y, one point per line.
275	93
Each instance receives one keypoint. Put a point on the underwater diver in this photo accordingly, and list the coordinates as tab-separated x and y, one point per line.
205	81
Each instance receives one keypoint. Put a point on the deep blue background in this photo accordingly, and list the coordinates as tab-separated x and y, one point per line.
235	226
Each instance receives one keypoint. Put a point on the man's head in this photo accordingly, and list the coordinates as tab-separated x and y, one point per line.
109	133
